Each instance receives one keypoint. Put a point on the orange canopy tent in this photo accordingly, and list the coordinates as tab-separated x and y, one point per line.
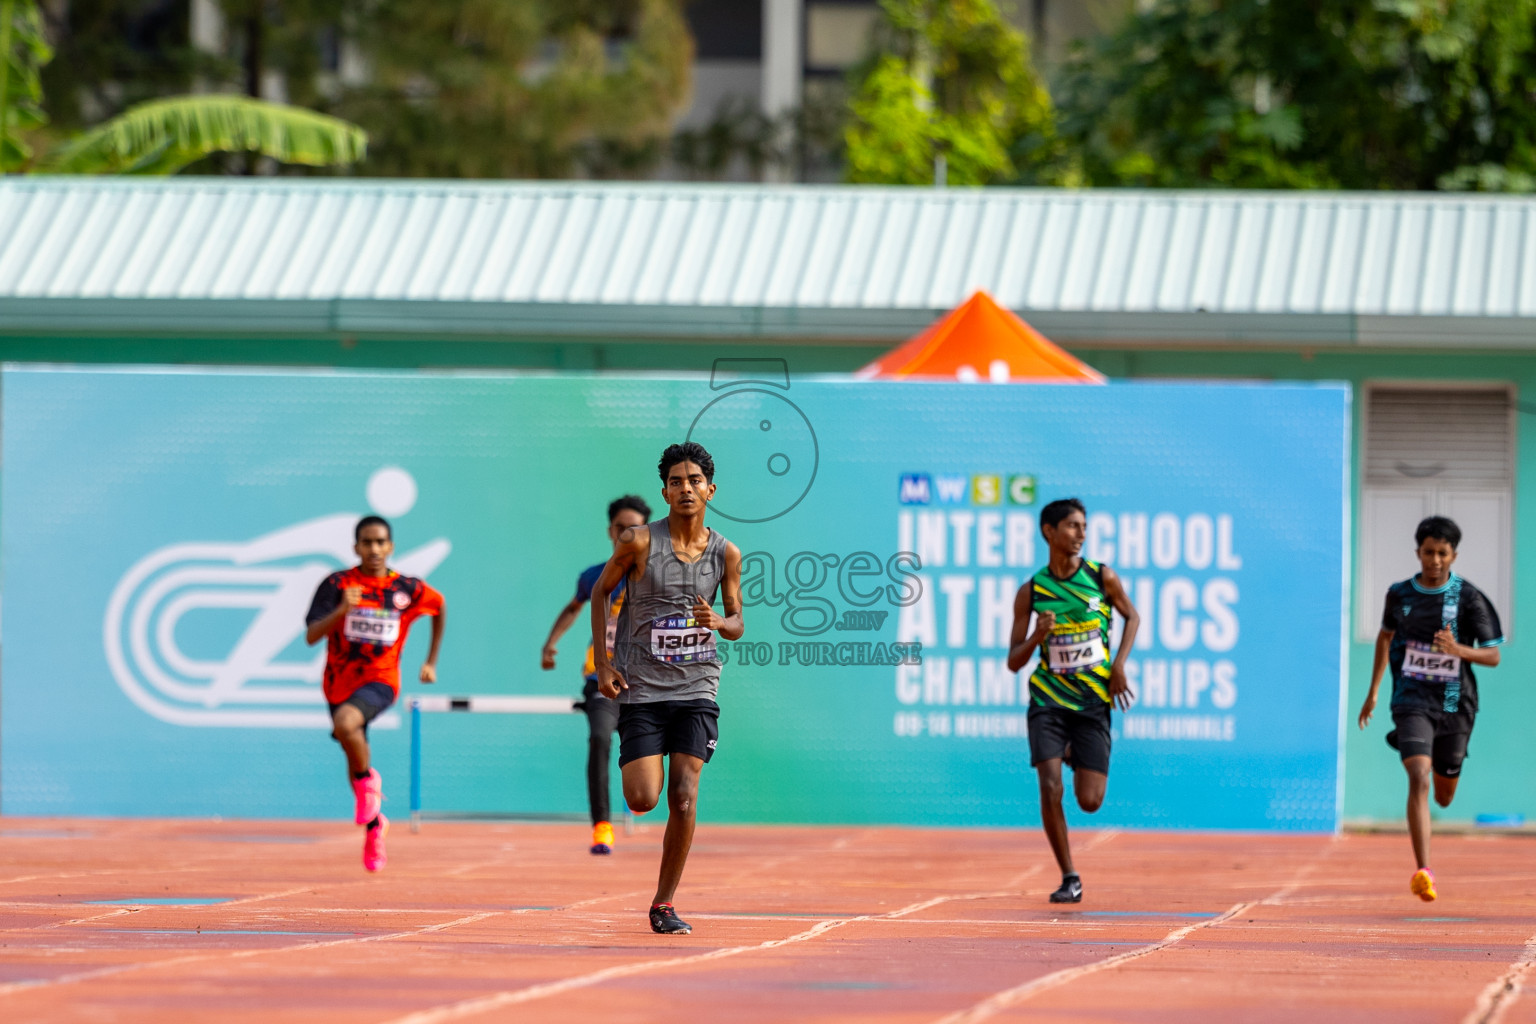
980	340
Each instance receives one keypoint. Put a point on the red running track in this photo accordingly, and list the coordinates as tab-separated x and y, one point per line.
130	921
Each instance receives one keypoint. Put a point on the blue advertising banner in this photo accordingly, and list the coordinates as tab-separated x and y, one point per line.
163	533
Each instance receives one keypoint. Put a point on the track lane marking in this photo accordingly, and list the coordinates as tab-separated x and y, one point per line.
1502	993
1000	1001
101	972
513	997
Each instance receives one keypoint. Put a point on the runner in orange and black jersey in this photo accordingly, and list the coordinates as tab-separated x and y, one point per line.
366	649
365	614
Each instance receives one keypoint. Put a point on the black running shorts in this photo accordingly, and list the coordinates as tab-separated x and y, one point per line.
668	727
1441	736
372	699
1053	730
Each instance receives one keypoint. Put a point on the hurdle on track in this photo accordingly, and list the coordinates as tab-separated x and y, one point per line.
491	705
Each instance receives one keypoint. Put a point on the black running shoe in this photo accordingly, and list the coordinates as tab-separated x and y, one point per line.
1071	891
1392	739
664	921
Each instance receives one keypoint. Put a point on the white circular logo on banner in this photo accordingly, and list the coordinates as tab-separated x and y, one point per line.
391	491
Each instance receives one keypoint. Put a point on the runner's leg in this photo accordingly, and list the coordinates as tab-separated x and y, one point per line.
682	807
1089	787
602	719
348	724
643	778
1052	817
1418	807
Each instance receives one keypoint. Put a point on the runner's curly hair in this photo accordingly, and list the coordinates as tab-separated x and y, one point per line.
357	532
1440	528
1056	511
688	451
633	502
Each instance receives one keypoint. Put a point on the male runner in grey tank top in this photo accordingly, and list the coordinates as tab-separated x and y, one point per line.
665	669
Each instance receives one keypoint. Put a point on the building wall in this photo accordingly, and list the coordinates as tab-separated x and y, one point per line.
1500	776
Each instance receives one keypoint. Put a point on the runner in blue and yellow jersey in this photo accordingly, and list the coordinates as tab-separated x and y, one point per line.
1075	682
602	714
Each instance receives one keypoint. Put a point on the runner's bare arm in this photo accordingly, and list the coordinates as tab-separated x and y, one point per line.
1378	666
562	623
633	549
429	667
1119	689
729	625
351	597
1446	643
1022	643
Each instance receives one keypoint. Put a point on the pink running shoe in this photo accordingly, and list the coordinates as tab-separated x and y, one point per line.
370	796
374	857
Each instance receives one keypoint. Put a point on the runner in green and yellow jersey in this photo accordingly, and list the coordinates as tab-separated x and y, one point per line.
1075	683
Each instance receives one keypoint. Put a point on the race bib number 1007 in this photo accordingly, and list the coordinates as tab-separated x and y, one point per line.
678	638
1422	662
372	626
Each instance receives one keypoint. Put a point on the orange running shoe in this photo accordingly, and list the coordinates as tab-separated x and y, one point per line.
374	857
602	838
1423	885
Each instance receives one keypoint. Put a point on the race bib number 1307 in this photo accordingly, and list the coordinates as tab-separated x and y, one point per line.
678	638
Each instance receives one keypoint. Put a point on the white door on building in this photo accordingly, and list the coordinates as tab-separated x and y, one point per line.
1436	450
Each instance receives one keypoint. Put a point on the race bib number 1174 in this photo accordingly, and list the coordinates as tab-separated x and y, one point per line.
1066	653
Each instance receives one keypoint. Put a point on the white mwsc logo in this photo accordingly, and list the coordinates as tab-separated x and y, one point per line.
260	681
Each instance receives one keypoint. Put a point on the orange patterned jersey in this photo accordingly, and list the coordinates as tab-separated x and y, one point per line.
365	645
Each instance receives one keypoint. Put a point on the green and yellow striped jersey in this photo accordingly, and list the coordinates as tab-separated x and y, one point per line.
1074	661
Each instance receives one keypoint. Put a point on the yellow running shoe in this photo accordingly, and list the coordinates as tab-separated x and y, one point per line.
1423	884
602	838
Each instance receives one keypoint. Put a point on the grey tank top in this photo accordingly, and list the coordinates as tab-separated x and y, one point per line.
658	648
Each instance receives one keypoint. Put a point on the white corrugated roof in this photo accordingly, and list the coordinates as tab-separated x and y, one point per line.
618	257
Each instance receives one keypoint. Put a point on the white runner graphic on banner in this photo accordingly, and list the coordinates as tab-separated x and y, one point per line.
273	577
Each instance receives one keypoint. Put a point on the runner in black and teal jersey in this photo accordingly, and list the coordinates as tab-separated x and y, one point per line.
1075	683
1434	628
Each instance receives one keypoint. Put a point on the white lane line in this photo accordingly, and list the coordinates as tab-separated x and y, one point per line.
102	972
1104	836
1501	993
513	997
67	979
1010	997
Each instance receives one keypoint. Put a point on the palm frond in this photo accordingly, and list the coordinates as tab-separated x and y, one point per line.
163	136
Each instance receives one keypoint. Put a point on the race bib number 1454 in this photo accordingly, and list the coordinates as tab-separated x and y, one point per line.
1422	662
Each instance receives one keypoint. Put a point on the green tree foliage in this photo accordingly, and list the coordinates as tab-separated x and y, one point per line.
23	53
164	136
1360	94
951	77
113	54
156	137
519	88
